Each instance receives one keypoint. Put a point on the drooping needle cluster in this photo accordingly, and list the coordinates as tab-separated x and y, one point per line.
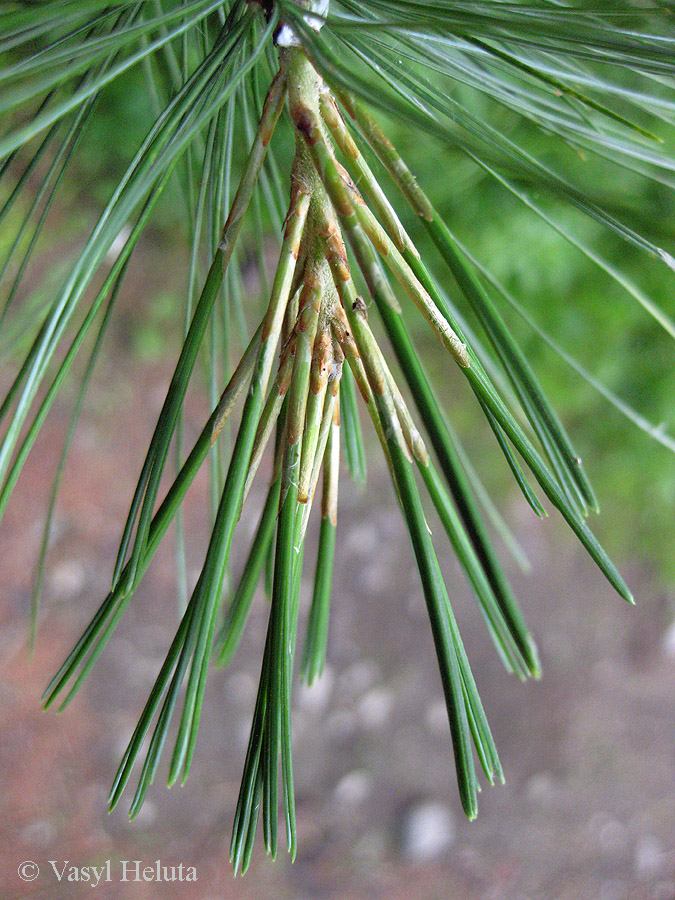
342	243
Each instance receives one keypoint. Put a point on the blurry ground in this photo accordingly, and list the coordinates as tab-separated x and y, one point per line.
588	810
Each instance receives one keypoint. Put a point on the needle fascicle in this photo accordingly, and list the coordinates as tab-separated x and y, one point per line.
341	196
365	178
342	248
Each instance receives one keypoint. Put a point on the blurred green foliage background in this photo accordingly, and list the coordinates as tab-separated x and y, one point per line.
569	297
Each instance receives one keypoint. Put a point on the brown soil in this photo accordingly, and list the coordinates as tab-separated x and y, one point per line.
588	807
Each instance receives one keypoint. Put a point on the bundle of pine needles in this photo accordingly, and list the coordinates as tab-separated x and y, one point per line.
221	68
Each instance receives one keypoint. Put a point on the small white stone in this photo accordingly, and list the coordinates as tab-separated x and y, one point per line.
374	708
668	642
649	857
370	577
363	541
428	831
610	834
39	833
358	678
436	718
353	789
67	579
541	788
